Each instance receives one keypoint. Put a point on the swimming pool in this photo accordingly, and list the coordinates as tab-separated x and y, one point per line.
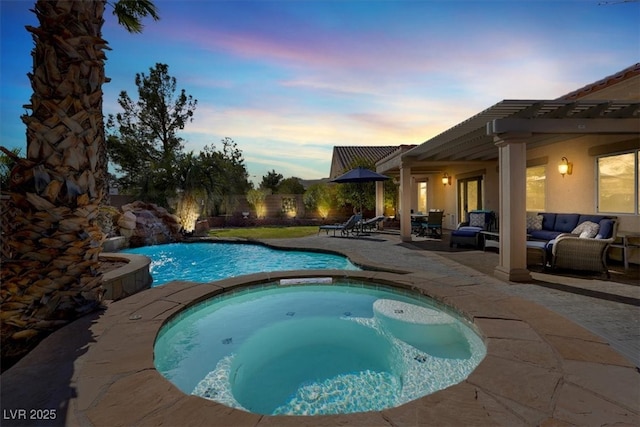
206	261
326	347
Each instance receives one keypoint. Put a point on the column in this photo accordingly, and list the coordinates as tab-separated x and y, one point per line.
380	201
405	203
512	265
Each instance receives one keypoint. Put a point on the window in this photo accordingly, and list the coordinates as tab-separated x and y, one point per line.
422	197
536	188
618	177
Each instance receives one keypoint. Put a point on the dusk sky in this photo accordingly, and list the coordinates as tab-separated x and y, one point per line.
289	80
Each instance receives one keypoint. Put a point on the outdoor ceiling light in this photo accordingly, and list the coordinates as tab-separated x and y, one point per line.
446	179
565	167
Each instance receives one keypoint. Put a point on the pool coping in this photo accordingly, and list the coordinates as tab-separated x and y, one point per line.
540	368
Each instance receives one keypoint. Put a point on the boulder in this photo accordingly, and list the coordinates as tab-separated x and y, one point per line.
127	220
147	224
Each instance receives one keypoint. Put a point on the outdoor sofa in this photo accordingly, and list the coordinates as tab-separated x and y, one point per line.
573	241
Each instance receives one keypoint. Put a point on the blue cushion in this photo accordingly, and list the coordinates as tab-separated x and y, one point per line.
548	220
565	223
550	244
466	231
544	234
606	229
471	228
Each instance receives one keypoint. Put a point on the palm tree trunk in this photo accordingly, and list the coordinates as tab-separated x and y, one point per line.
52	274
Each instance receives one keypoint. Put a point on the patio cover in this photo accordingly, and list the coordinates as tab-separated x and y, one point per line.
504	132
548	120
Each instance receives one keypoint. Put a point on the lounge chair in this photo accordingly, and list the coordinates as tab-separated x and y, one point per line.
345	228
468	233
433	226
372	224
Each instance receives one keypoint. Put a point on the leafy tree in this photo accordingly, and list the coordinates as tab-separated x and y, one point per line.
52	273
143	144
357	194
290	186
189	173
391	195
222	175
7	161
256	198
320	198
271	181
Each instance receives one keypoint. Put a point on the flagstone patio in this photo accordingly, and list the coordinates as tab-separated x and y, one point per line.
541	368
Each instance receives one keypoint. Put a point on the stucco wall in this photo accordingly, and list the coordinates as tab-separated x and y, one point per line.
577	192
445	196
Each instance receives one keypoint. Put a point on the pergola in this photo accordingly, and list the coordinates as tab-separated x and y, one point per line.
504	132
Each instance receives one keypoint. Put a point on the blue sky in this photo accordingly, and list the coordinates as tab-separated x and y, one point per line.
288	80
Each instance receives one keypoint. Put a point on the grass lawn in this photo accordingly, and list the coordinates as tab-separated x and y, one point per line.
265	232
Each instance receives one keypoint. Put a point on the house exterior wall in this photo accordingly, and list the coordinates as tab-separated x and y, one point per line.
445	196
577	192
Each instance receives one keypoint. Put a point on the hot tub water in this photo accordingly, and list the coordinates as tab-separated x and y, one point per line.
316	349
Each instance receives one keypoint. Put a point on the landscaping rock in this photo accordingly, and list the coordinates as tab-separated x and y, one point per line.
147	224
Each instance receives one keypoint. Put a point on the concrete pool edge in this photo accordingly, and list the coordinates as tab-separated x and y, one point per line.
539	366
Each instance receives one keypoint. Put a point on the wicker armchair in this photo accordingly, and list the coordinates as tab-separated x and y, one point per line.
586	254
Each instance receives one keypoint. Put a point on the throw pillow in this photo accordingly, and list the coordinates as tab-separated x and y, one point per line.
476	220
586	229
606	229
534	222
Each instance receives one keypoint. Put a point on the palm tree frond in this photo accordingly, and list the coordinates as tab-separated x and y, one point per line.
131	12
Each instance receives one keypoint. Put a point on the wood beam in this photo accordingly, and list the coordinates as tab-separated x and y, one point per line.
567	126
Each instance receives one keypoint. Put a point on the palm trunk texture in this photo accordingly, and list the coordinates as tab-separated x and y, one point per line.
50	268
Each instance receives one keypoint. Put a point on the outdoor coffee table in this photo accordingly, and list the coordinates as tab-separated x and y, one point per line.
536	250
491	239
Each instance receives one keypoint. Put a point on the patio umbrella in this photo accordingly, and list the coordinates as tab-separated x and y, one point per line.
360	175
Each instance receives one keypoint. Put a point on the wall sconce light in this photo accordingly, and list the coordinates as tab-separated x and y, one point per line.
565	167
446	179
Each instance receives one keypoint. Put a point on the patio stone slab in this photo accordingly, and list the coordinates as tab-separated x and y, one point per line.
506	329
463	405
158	309
587	351
187	295
116	407
533	352
124	348
477	307
546	321
527	385
613	383
580	407
190	411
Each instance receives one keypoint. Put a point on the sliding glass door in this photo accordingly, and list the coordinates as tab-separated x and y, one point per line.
469	196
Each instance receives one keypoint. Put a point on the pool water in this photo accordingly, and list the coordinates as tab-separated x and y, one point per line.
313	349
206	262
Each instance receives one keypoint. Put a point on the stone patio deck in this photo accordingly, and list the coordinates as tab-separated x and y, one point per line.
541	368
